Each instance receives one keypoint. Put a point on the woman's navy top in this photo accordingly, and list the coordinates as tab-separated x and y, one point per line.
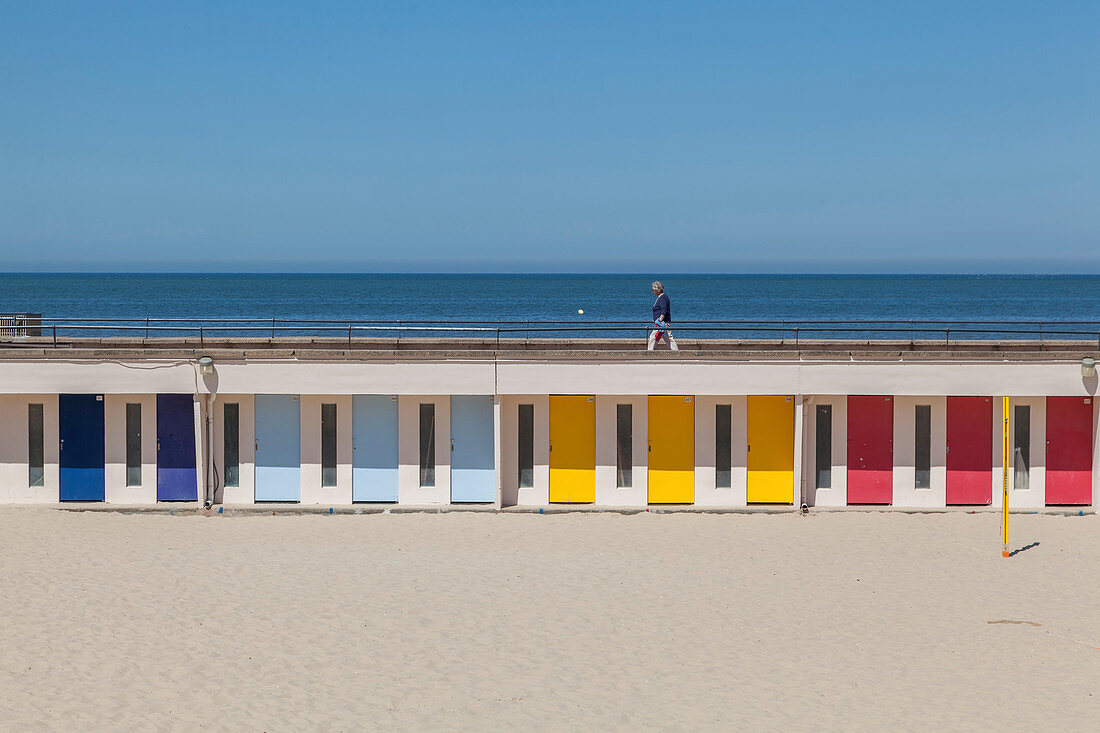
662	307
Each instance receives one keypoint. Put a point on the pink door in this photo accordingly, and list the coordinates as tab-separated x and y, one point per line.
969	450
1069	450
870	449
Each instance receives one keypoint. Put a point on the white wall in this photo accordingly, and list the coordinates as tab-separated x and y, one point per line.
15	450
637	494
1035	496
637	376
706	493
905	436
245	493
511	493
995	459
116	491
837	493
255	376
784	377
409	490
310	415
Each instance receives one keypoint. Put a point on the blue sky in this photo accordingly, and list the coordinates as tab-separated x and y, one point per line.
550	137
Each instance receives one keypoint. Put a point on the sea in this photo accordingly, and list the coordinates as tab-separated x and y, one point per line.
568	304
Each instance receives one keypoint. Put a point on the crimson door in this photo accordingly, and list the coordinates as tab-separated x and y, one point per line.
1069	450
870	449
969	450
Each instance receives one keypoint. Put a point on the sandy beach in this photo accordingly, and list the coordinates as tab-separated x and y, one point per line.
850	621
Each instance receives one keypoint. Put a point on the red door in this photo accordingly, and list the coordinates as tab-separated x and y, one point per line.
969	450
1069	450
870	449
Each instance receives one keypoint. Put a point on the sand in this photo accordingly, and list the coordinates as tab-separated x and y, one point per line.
849	621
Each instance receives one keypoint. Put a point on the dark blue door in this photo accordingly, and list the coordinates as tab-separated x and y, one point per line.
177	479
81	458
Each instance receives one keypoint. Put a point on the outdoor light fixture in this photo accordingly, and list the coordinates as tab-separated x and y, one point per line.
1088	367
206	366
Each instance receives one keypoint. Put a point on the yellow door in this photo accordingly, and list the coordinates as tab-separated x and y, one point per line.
771	449
671	450
572	448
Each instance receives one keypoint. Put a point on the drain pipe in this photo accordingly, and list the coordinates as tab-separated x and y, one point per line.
210	450
206	369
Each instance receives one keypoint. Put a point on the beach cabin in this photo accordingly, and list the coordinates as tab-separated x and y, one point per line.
720	427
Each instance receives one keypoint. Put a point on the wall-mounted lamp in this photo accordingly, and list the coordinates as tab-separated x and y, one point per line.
206	366
1088	367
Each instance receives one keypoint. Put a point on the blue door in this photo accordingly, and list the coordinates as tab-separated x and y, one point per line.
472	475
81	458
177	479
374	448
278	448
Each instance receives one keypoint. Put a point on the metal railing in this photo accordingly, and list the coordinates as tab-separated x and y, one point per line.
59	331
20	324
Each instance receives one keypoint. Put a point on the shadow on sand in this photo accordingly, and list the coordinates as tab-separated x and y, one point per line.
1016	552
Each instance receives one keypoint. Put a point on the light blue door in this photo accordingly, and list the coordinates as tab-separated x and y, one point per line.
374	448
472	475
278	448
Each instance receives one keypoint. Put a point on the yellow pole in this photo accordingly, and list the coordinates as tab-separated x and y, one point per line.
1004	477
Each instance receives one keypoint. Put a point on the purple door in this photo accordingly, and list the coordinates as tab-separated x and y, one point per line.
177	479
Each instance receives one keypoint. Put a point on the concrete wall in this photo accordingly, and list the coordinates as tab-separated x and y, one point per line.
15	450
905	428
837	492
310	411
409	490
582	376
761	378
706	492
283	376
1035	495
511	493
245	492
114	412
607	494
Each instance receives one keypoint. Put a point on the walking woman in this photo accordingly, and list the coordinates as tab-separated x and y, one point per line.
662	317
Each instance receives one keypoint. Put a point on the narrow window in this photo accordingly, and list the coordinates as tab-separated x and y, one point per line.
922	448
328	445
624	446
231	441
1021	458
824	448
36	456
723	446
133	444
427	444
526	446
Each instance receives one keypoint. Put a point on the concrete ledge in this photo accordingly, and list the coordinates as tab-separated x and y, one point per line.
414	349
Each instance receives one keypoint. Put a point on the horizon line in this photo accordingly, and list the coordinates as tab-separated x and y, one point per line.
300	273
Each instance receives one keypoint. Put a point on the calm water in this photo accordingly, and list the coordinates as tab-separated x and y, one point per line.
554	298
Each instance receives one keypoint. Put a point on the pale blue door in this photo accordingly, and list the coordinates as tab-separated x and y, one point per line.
374	448
278	448
472	475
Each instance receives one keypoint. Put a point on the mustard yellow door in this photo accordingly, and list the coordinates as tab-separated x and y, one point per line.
771	449
572	448
671	450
